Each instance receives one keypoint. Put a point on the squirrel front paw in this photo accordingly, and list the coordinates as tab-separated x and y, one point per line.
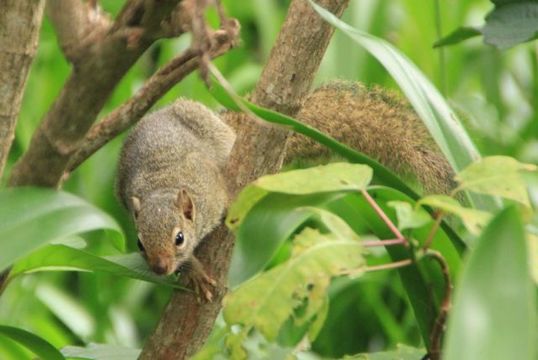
198	280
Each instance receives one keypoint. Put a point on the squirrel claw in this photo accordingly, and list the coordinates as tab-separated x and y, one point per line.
198	280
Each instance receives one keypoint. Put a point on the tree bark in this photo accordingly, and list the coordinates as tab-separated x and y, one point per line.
286	79
99	63
20	22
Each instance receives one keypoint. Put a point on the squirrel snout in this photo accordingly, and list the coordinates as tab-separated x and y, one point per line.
160	267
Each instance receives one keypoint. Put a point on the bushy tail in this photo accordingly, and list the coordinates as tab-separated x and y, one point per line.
377	123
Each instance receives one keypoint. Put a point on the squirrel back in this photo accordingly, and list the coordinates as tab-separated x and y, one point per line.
169	164
377	123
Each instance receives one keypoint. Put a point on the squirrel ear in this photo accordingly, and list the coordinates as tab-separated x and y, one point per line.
135	204
185	204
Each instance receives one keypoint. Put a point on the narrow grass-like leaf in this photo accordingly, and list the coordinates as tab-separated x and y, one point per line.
494	313
61	257
32	342
33	217
461	34
101	352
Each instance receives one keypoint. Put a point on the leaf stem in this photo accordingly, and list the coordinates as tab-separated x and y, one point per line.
384	217
374	243
438	218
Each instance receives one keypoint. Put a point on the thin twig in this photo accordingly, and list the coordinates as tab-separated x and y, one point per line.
374	243
439	326
383	216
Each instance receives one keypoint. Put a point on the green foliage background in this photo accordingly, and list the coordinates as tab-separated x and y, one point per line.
495	92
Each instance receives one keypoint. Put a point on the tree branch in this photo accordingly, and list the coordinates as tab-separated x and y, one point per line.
20	21
154	88
92	80
286	79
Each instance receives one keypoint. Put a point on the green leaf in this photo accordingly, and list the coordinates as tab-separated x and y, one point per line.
457	36
268	225
33	217
268	300
325	178
32	342
511	24
474	220
494	313
497	176
403	352
101	352
409	217
61	258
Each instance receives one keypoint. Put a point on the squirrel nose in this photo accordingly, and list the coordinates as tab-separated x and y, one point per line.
159	267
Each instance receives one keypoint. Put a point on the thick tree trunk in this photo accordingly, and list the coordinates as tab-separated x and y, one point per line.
286	79
20	21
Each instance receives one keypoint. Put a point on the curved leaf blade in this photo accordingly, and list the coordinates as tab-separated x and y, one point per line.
494	314
62	258
32	342
33	217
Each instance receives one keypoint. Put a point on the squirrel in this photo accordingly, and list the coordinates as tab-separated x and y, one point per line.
170	180
170	168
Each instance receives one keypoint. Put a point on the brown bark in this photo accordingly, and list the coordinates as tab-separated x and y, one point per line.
99	63
20	21
286	79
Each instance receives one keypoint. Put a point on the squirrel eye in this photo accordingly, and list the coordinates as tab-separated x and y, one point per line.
179	238
140	246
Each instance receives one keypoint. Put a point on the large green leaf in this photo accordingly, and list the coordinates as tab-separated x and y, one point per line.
33	217
511	23
265	302
32	342
494	314
61	258
101	352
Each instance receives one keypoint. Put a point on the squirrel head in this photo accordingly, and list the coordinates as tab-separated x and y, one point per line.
166	229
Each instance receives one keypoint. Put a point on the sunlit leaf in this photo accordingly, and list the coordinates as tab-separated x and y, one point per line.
474	220
32	342
409	217
324	178
494	313
33	217
498	176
